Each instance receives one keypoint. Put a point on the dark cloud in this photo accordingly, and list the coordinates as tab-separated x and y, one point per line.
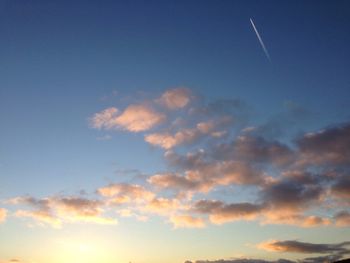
291	194
220	212
255	150
328	146
303	247
342	218
341	187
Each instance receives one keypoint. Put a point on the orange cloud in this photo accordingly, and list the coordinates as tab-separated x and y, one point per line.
292	217
3	214
167	141
164	206
136	118
186	221
125	193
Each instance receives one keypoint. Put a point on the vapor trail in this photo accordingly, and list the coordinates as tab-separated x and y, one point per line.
260	40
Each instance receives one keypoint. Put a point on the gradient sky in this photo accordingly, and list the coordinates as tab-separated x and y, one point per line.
158	131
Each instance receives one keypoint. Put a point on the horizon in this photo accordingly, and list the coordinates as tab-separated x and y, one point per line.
174	131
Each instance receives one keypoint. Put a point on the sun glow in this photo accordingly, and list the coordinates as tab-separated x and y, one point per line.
79	250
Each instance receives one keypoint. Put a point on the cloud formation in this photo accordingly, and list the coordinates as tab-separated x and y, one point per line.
57	210
212	148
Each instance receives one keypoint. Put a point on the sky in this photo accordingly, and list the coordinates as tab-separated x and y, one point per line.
174	131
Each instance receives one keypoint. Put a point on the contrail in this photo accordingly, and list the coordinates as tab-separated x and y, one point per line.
260	40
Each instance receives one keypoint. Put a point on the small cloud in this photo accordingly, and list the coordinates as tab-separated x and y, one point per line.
135	118
175	98
125	193
104	119
3	214
186	221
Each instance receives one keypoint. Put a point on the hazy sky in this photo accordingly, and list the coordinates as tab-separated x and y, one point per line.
160	131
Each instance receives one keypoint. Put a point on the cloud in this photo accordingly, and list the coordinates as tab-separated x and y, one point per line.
163	206
213	146
211	172
174	181
341	187
3	214
290	194
175	98
135	118
168	141
125	193
105	119
187	221
290	217
57	210
220	212
303	247
185	136
258	149
342	219
327	146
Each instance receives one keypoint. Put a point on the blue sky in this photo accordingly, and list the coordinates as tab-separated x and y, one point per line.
63	63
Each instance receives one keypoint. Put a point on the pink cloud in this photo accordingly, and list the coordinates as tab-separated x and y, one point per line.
135	118
175	98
